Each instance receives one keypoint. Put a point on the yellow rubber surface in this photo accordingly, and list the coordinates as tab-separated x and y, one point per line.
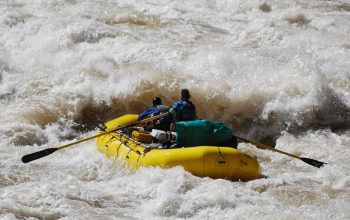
203	161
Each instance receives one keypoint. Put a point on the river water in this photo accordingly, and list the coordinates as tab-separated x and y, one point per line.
277	72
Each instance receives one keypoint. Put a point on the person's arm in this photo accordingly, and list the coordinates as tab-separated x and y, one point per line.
175	108
146	113
142	115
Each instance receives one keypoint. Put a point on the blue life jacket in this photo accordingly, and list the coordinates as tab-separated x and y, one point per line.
187	112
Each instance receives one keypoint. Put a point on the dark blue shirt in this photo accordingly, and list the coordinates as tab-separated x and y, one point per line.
149	113
185	110
177	106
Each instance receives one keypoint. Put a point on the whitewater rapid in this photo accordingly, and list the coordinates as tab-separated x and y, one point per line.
277	72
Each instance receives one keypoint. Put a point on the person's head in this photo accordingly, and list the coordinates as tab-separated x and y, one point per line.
185	94
156	101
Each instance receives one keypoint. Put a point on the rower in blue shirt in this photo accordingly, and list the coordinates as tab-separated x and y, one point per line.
184	110
156	109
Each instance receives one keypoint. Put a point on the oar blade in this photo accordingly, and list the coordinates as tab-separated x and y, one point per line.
313	162
39	154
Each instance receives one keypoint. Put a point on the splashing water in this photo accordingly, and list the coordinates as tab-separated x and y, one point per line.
276	72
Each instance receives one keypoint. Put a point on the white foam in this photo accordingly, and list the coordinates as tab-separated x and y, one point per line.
281	73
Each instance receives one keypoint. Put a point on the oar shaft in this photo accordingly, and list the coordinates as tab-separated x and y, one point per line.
310	161
268	147
39	154
113	130
82	140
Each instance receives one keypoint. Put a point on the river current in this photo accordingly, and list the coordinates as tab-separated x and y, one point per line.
277	72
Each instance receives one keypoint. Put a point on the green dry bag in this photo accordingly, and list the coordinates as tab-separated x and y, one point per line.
202	133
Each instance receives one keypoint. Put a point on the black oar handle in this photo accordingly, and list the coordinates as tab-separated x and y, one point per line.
39	154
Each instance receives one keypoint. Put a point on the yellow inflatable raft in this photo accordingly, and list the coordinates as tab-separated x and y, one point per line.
202	161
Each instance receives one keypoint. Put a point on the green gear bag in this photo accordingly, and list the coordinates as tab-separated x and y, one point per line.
202	133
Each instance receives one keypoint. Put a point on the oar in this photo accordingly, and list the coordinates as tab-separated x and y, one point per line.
39	154
310	161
